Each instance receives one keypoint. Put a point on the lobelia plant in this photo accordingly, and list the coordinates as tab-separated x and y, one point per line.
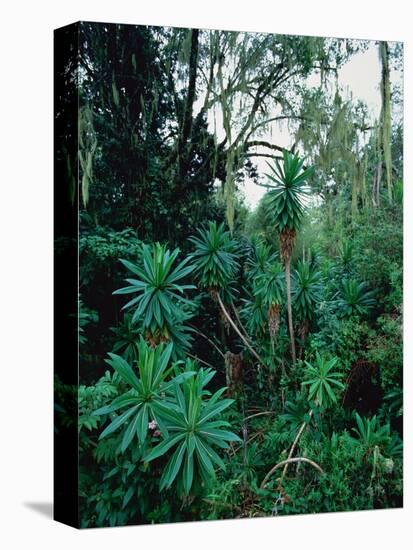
259	258
307	295
355	299
160	298
296	413
193	428
323	380
214	258
127	338
285	210
370	434
216	264
177	403
270	287
255	313
376	441
345	253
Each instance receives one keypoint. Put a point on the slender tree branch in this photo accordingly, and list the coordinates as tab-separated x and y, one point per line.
234	326
265	155
289	461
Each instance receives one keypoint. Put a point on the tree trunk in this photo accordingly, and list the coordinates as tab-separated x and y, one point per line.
229	189
185	134
274	320
354	197
386	115
289	306
233	372
303	333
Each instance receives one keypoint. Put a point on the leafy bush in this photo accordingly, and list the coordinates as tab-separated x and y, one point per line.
323	380
355	299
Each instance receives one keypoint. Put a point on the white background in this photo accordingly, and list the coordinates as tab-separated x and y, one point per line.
26	272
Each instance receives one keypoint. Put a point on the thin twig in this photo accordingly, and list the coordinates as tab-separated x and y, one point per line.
259	433
200	360
209	340
259	414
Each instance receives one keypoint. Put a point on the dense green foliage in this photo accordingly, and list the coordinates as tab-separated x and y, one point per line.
255	357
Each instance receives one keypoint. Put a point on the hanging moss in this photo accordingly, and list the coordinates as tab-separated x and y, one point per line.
87	148
331	135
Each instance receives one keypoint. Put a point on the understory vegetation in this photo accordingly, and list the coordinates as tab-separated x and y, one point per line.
235	361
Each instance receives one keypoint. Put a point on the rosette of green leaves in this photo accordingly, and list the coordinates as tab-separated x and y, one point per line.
370	433
127	338
255	314
285	200
194	428
259	258
215	257
149	394
159	295
307	292
323	380
270	285
355	298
